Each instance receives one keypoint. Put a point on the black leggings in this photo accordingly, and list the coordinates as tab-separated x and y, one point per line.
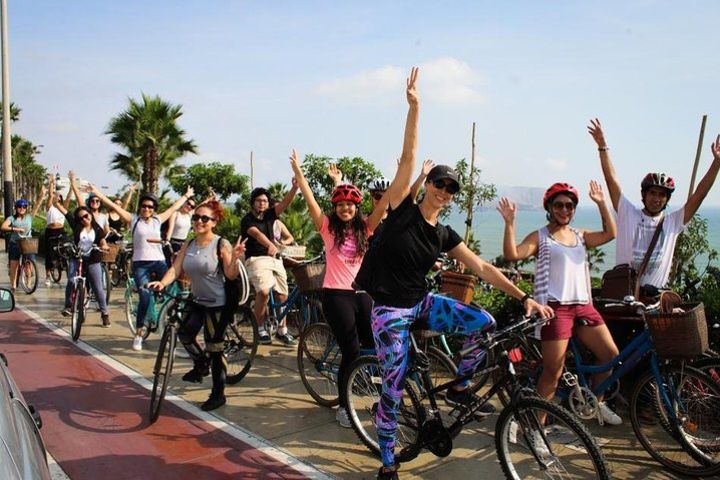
348	314
215	320
53	237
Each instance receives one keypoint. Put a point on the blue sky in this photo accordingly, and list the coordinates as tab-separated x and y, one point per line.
328	78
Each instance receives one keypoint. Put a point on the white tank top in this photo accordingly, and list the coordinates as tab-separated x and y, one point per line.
568	282
142	249
182	226
54	215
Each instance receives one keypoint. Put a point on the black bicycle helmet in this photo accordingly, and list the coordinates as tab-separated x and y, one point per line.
151	197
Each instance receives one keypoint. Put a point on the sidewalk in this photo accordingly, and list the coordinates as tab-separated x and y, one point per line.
270	402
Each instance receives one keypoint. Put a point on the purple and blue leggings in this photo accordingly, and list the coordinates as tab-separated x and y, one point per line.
391	330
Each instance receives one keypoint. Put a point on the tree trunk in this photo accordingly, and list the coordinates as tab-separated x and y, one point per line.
150	174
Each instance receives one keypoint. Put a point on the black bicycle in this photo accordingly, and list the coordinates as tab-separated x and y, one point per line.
534	438
240	347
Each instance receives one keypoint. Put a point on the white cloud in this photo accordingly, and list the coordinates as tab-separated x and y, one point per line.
556	164
444	80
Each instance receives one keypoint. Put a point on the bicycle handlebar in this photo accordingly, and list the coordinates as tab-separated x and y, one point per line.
628	301
494	339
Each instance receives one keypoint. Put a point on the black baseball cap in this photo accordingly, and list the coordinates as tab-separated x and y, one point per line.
443	172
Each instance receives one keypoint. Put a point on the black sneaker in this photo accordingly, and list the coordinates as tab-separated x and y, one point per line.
215	401
193	376
264	338
105	320
387	474
287	339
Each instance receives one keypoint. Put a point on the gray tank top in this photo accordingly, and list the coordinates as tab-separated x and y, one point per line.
207	280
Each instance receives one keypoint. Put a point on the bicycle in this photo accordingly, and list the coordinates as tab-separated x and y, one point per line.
27	268
670	406
240	347
526	447
79	287
120	269
58	263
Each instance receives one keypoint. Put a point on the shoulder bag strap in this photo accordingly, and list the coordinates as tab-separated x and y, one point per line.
646	260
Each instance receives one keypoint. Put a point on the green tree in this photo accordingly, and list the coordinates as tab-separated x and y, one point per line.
691	244
474	193
28	175
596	258
221	177
151	140
14	112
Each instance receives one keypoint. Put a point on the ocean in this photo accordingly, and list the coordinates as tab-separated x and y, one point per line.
488	227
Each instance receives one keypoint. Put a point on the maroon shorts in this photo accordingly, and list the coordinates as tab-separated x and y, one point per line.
567	317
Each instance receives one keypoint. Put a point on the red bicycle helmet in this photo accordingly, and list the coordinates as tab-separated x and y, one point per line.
558	188
657	179
346	193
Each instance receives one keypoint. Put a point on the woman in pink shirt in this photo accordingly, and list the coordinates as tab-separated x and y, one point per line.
345	235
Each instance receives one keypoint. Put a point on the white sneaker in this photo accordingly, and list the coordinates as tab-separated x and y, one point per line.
48	283
342	417
539	445
137	343
608	416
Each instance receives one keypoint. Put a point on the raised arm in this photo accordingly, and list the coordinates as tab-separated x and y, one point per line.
60	206
400	185
595	239
51	191
335	174
313	207
68	198
283	204
74	188
171	226
129	195
124	214
39	200
415	189
495	277
596	131
175	206
511	250
210	196
703	188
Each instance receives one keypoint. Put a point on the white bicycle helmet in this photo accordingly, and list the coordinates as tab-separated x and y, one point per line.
379	185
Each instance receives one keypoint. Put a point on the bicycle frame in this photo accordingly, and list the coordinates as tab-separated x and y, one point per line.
280	310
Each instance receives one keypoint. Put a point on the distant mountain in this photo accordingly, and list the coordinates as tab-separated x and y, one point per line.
526	198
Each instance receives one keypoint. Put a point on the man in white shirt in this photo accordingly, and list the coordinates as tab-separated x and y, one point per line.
636	227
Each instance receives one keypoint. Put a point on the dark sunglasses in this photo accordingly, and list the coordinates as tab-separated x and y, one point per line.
377	195
83	217
450	187
20	206
202	218
95	200
148	206
570	206
191	205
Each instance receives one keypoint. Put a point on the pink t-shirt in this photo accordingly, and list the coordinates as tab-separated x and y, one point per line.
342	264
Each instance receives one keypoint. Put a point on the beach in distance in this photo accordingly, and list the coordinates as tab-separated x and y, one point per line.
488	227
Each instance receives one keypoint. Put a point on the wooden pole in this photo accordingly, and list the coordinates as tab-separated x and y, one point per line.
697	156
252	171
471	196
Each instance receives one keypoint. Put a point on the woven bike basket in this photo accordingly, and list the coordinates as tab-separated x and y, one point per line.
294	251
679	335
28	246
309	276
111	254
457	285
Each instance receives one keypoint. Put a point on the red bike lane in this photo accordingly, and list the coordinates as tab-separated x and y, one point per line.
95	420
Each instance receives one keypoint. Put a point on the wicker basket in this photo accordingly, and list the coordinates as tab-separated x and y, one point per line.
29	246
309	276
110	255
679	335
458	286
293	251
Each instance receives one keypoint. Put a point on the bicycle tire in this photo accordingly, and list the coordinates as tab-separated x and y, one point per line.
318	360
676	446
710	366
162	370
520	456
29	282
78	310
56	271
363	392
241	344
295	319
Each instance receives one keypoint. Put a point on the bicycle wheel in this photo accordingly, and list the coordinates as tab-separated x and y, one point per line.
710	366
78	310
131	303
688	440
56	271
162	370
526	449
240	345
363	392
318	359
28	275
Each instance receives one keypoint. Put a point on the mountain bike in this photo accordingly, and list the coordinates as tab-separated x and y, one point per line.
121	268
59	262
240	347
527	448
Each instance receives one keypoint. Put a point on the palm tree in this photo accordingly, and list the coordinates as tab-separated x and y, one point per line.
14	112
28	175
151	139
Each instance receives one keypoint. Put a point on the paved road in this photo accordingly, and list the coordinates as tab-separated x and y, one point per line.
93	399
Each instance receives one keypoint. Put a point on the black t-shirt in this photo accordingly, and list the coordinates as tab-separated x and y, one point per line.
253	248
403	251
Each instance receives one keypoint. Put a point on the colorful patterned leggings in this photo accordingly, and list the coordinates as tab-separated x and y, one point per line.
391	330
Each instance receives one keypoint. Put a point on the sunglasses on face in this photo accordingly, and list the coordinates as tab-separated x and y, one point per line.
570	206
190	205
95	200
84	217
148	206
202	218
450	187
20	206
